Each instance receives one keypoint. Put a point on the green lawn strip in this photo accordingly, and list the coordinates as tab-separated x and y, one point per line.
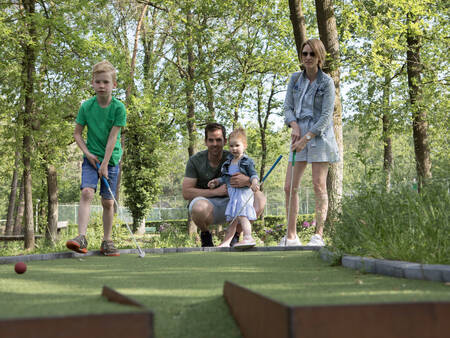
185	290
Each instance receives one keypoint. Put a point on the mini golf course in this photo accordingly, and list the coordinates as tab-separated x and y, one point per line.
190	294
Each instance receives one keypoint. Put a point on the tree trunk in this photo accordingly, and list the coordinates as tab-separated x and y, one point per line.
328	34
29	60
52	215
387	140
20	206
419	114
190	104
12	197
298	25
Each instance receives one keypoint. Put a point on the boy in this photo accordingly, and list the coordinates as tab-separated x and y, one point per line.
103	115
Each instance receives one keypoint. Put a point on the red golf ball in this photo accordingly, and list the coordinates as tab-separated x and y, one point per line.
20	267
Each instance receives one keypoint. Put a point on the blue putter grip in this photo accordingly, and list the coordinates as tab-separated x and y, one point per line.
271	168
103	177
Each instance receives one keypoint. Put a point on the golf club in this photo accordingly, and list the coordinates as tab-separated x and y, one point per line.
262	182
105	181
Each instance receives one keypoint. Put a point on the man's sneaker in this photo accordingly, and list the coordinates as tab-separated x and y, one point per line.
206	238
316	240
235	239
78	244
290	242
108	249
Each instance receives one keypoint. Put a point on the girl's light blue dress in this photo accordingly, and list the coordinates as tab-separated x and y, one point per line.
238	197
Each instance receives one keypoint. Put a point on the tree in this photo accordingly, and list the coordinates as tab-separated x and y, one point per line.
28	76
326	22
419	113
298	25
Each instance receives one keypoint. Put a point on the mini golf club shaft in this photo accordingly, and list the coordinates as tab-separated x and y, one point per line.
262	182
105	181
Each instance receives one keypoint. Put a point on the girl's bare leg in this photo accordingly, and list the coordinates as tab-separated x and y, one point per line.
229	234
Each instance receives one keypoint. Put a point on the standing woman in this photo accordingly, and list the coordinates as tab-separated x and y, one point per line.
308	109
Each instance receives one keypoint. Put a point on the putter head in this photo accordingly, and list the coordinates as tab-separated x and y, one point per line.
141	254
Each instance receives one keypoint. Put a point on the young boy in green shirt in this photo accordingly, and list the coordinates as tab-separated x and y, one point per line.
104	116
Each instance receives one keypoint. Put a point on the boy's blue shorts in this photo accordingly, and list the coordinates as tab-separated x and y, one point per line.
89	179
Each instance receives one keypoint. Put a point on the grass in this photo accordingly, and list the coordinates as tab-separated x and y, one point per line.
185	290
399	225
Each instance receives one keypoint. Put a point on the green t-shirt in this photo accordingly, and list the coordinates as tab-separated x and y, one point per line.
99	122
198	167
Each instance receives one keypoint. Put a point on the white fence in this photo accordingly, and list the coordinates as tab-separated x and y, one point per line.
175	207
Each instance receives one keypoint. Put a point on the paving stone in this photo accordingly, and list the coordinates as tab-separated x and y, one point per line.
389	268
352	262
368	265
446	273
157	251
209	249
414	271
433	272
274	248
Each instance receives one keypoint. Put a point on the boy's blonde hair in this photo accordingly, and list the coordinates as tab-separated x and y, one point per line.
239	133
104	67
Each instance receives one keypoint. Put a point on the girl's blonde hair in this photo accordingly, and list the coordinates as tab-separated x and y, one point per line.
104	67
239	133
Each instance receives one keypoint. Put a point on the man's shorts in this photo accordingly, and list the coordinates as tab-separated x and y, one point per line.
219	204
89	179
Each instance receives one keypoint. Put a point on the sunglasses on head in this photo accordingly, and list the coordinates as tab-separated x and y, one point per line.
312	54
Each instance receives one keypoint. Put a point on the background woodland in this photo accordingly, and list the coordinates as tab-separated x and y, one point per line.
184	63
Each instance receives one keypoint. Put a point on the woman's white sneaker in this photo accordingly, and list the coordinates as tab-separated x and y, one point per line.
290	242
316	240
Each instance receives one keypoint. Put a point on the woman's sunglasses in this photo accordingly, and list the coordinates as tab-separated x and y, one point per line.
312	54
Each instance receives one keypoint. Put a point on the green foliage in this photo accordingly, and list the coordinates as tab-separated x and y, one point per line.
399	225
273	228
147	131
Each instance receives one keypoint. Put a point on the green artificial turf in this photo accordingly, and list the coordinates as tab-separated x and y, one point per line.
184	290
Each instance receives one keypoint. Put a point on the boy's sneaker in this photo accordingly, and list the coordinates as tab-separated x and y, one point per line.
206	238
235	239
290	242
78	244
316	240
108	249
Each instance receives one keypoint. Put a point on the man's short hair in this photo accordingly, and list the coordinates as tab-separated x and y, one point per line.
215	126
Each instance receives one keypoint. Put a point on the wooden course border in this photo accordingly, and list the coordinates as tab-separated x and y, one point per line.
260	317
114	325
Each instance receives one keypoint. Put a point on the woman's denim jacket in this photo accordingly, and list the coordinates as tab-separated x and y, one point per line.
246	167
323	102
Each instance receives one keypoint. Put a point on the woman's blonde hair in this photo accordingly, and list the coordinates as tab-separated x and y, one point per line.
318	49
104	67
239	133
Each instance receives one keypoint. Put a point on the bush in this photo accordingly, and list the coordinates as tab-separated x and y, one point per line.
399	225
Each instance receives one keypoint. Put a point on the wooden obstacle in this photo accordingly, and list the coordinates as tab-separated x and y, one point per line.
113	325
260	317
